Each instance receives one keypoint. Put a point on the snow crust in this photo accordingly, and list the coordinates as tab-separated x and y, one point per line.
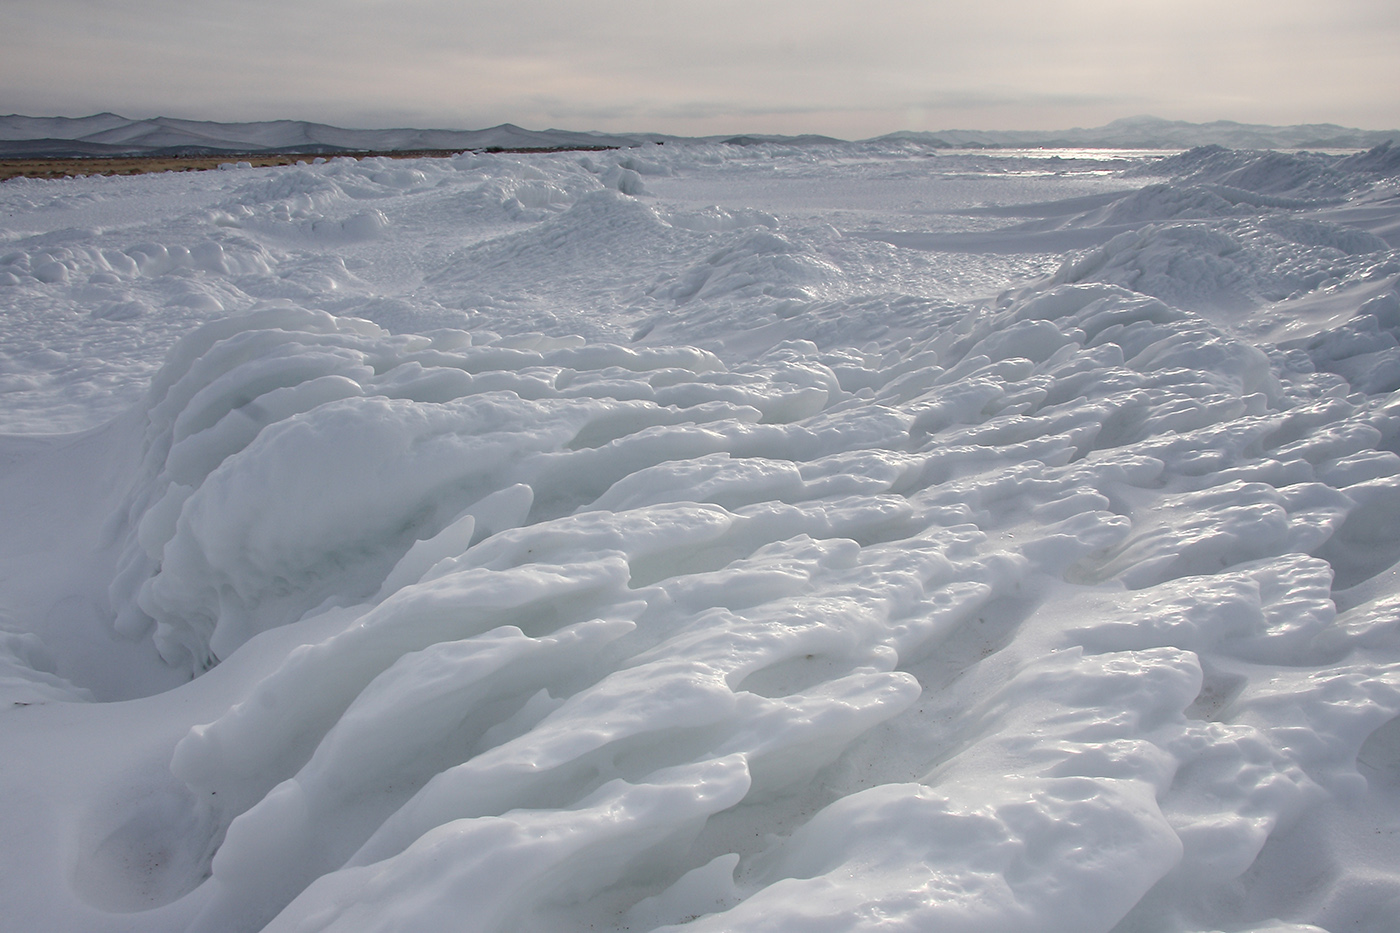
704	537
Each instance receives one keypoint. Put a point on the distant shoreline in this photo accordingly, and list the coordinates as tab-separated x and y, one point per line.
143	165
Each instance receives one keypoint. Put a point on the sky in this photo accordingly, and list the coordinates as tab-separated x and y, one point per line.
846	68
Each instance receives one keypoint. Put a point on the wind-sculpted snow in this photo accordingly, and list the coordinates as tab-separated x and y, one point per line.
760	590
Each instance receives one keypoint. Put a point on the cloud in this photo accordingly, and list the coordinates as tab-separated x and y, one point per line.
688	66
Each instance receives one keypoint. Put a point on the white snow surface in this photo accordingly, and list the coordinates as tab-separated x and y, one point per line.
704	537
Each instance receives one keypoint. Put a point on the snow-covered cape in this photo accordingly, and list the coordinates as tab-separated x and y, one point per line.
702	537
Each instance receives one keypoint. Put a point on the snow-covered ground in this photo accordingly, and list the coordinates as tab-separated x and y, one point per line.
705	537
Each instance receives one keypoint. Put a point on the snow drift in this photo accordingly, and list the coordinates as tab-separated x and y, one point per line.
780	584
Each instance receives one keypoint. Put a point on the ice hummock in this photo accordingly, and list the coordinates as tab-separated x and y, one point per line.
730	544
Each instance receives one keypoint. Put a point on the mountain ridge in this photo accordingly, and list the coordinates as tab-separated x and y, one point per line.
109	134
1149	132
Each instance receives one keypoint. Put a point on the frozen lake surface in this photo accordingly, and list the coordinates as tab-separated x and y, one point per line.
704	537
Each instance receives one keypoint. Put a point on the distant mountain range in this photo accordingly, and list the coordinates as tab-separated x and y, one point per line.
1155	133
107	134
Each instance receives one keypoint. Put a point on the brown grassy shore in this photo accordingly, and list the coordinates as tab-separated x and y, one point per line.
140	165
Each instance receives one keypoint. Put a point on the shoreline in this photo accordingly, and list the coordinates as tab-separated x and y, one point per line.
142	165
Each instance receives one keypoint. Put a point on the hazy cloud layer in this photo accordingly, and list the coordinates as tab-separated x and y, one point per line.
846	68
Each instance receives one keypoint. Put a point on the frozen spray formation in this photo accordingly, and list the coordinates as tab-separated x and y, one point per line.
705	538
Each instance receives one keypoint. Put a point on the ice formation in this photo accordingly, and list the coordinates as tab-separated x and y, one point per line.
704	537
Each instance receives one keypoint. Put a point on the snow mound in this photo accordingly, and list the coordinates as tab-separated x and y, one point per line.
1164	202
1289	174
1381	160
27	672
1232	266
1363	350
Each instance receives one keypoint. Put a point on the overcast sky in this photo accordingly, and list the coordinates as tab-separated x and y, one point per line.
848	68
